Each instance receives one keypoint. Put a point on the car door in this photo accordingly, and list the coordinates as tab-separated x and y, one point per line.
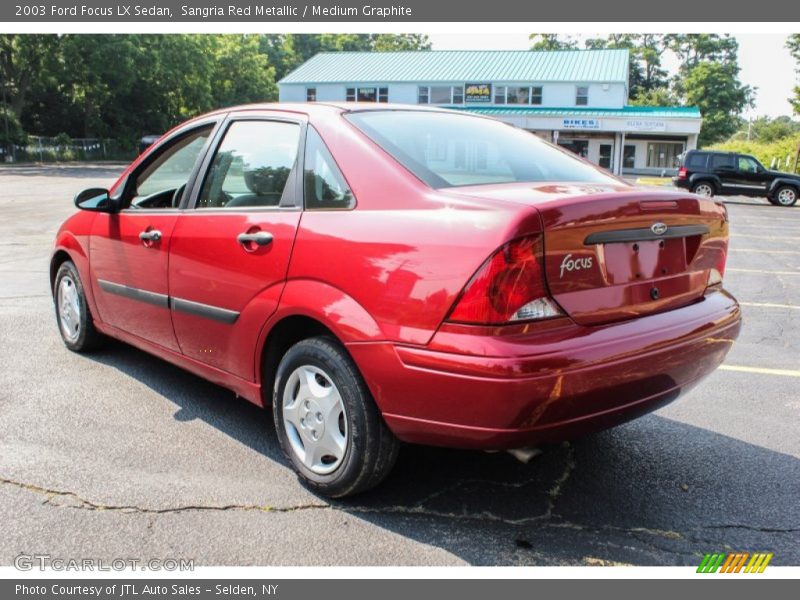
129	249
751	177
230	250
724	167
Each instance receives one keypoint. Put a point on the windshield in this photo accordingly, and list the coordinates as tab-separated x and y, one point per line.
447	150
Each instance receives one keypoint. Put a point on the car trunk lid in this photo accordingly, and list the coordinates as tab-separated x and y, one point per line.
619	252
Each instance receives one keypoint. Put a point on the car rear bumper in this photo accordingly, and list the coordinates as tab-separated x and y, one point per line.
479	391
681	183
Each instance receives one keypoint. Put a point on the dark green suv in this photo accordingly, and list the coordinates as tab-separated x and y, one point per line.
707	172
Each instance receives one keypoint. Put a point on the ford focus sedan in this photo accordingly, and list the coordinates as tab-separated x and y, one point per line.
387	274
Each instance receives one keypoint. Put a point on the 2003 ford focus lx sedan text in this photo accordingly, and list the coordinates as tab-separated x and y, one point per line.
384	274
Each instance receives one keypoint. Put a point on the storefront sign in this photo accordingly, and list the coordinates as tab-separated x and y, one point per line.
581	124
645	125
478	92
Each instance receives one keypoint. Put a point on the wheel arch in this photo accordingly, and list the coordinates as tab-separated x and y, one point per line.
705	178
783	182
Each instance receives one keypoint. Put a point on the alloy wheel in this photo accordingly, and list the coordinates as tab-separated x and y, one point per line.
787	197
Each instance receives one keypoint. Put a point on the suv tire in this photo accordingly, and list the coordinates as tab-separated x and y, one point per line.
703	188
786	195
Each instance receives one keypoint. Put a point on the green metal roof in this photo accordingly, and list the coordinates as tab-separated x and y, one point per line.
651	112
463	65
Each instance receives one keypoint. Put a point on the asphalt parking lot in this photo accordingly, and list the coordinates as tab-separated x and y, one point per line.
118	454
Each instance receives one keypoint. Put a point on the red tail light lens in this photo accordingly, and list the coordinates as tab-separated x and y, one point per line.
508	287
682	173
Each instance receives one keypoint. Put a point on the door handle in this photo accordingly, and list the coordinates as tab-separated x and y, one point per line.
259	238
151	235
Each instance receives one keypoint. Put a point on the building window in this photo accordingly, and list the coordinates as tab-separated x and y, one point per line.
662	155
499	94
311	94
422	95
367	94
536	95
518	95
441	94
582	95
629	157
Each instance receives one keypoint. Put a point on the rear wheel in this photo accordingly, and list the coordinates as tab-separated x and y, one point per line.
785	196
703	188
327	422
72	312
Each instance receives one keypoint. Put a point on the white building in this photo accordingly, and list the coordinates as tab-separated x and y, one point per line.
577	98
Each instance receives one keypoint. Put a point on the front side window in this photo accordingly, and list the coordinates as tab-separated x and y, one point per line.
324	185
161	183
251	166
748	164
447	150
582	95
518	95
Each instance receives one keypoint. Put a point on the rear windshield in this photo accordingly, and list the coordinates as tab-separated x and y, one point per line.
447	150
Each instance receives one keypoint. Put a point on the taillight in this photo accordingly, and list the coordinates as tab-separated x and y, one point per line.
509	287
716	274
682	173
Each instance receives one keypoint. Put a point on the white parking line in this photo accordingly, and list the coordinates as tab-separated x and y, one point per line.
769	237
761	271
769	305
761	371
764	251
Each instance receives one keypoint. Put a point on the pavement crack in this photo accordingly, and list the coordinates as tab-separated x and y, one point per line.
554	493
66	499
753	528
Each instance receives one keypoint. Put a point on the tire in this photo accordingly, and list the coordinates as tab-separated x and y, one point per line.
327	422
704	188
75	322
785	195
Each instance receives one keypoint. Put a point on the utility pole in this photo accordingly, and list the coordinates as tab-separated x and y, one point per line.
797	157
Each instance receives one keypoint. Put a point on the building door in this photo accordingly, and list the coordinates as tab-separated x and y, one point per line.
605	156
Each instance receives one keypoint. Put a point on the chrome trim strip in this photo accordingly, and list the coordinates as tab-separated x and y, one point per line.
215	313
642	235
134	293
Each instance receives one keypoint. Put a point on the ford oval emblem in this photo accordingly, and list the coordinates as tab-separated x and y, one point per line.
659	228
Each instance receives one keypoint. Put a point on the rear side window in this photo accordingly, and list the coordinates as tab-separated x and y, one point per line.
450	149
697	160
324	185
721	160
251	166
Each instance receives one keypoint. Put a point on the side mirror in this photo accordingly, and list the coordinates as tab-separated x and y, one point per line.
95	199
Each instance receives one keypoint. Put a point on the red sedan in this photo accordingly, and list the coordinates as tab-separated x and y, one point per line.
384	274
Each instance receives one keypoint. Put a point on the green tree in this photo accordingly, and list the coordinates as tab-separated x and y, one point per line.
709	78
22	58
793	44
241	73
720	97
551	41
645	72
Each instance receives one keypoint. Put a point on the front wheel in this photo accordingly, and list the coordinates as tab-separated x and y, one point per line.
785	196
703	189
327	422
72	312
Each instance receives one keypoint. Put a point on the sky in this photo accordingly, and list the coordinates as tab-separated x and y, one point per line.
764	60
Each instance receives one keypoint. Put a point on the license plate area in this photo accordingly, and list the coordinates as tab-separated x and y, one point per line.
626	262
